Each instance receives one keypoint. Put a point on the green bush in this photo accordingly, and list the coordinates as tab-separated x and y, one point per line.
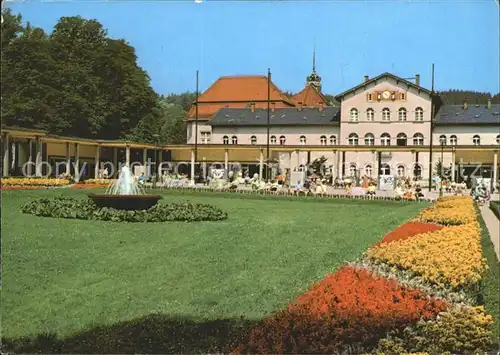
495	207
67	207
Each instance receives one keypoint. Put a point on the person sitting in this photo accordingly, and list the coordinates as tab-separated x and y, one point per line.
371	190
418	192
142	179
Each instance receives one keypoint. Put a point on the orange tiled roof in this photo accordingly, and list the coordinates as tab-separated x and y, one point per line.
238	92
310	97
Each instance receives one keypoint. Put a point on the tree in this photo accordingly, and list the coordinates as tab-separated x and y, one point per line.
318	167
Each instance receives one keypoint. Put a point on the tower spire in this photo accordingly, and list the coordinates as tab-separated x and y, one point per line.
314	79
314	58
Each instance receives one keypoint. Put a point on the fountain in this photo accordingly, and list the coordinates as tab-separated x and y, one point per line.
125	194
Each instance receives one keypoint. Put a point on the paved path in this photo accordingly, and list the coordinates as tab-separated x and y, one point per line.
493	225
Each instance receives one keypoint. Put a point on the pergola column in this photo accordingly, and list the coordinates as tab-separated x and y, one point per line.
453	158
77	162
290	168
68	158
127	156
261	164
145	162
115	162
97	161
226	163
297	153
192	166
29	170
495	169
6	155
38	158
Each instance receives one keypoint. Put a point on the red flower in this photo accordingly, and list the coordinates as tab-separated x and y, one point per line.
408	230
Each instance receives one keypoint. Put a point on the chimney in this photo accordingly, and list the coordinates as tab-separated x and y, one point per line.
321	106
252	107
417	79
273	106
465	106
366	78
489	104
300	106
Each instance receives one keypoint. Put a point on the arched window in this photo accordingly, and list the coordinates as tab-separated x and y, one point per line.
225	140
370	114
273	139
322	140
419	114
498	139
442	139
476	140
369	139
418	139
386	114
401	170
385	169
333	140
385	139
303	140
368	170
402	114
453	140
234	140
352	169
353	115
417	171
282	140
253	140
401	140
353	139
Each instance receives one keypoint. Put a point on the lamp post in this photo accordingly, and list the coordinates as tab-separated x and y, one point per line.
441	172
155	177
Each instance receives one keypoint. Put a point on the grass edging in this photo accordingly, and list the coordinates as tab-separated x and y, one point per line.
495	207
491	282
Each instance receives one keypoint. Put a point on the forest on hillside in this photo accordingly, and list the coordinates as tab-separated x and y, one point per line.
76	81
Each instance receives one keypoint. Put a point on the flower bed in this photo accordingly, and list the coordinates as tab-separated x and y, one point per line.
47	182
99	181
88	186
8	187
411	293
352	308
408	230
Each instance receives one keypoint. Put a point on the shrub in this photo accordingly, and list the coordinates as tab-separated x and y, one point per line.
460	330
351	308
64	207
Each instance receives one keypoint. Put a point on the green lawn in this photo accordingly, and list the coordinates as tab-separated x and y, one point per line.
65	277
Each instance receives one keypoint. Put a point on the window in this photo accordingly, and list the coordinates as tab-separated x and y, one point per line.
369	139
303	140
354	115
417	170
322	140
370	97
352	169
386	114
368	170
385	139
401	170
498	139
418	139
282	140
476	140
370	114
273	139
401	140
442	139
333	140
353	139
205	137
402	114
225	140
403	96
234	140
253	140
385	169
453	140
419	114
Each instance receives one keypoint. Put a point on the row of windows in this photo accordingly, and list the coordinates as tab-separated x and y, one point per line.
385	169
386	114
476	139
385	139
369	139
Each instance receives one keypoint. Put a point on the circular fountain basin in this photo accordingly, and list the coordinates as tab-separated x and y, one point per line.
125	202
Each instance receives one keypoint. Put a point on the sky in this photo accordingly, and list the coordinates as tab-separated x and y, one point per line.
352	38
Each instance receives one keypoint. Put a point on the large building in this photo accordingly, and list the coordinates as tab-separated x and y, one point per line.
383	126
